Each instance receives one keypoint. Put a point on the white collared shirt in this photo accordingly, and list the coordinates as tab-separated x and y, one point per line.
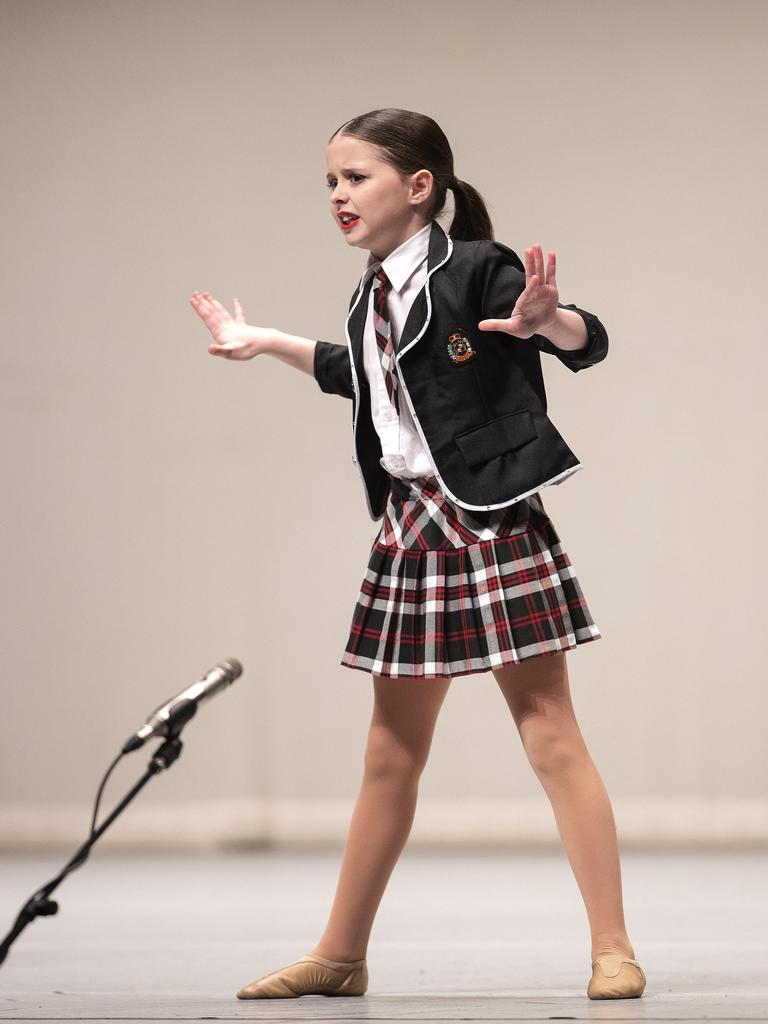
406	267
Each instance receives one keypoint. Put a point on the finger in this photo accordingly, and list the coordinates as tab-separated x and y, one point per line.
210	316
493	325
202	312
210	320
205	304
529	267
239	316
215	303
538	259
551	268
201	305
219	350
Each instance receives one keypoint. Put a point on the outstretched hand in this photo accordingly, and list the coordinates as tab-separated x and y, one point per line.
233	338
537	305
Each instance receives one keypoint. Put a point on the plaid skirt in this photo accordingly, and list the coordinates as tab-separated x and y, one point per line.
448	592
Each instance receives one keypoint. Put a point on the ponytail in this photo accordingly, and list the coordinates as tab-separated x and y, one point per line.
470	218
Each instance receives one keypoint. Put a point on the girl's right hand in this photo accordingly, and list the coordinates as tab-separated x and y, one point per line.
233	338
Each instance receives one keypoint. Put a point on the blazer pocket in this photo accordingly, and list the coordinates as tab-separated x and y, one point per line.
500	435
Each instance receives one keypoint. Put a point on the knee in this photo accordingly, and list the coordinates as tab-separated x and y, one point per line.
550	751
387	758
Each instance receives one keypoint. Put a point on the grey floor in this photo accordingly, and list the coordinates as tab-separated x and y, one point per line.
478	937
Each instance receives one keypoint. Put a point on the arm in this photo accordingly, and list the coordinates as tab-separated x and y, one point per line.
326	361
291	349
556	338
566	330
575	336
332	369
233	338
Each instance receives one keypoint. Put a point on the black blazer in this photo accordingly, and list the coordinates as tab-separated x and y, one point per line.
477	397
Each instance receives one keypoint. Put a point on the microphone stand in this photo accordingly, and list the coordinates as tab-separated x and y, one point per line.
39	905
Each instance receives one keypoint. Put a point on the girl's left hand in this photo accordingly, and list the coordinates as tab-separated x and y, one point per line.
537	305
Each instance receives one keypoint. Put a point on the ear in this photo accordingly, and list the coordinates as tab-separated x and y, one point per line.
422	183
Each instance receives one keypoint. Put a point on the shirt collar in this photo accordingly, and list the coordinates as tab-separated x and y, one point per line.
403	260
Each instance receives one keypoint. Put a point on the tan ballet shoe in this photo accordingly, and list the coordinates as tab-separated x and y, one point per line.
615	977
311	975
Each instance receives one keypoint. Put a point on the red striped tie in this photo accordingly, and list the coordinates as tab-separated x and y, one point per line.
383	330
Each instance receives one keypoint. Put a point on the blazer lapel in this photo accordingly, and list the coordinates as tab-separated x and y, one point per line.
356	327
439	249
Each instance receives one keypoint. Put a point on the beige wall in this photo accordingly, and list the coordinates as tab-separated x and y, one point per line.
164	510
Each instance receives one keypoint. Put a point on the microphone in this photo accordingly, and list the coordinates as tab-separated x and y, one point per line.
184	705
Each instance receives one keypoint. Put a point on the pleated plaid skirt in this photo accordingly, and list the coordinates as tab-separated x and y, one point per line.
448	592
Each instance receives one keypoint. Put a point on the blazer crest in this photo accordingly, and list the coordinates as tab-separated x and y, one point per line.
459	347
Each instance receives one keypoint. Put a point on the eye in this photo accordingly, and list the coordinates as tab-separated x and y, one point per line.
332	184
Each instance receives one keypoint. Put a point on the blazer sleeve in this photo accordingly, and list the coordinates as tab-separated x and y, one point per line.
332	369
500	280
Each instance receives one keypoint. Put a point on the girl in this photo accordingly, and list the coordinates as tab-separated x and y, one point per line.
467	573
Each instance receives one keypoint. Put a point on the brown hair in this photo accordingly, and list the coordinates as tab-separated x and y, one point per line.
410	142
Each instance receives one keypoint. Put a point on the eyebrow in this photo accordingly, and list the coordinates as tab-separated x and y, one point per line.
345	170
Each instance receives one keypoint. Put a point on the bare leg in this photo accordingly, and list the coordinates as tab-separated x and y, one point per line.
537	692
399	739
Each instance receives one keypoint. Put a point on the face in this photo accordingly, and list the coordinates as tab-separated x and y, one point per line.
389	209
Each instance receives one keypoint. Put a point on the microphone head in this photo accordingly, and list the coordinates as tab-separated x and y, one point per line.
232	667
